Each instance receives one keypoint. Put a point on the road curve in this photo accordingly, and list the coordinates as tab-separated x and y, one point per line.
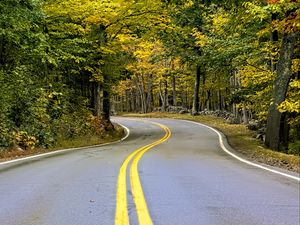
187	180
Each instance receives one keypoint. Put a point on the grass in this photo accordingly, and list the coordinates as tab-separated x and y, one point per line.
64	143
240	138
89	140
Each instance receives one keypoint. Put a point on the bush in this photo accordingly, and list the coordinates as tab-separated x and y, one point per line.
24	140
294	148
5	136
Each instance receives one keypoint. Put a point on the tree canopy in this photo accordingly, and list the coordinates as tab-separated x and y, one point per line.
81	60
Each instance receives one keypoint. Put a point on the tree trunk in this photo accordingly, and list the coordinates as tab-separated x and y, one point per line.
166	94
141	90
273	38
284	132
96	99
203	102
183	97
195	108
207	100
149	95
163	95
174	90
245	115
219	100
106	104
283	75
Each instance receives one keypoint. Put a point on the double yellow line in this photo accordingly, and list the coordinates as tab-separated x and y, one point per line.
121	217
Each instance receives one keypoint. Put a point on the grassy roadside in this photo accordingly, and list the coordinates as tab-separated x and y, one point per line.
62	143
240	138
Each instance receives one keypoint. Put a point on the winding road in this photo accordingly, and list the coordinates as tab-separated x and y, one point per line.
166	172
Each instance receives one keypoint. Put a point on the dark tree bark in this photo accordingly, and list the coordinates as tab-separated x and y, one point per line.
174	90
203	94
219	99
284	132
283	75
106	109
166	98
274	37
195	108
207	100
163	93
96	99
149	104
106	106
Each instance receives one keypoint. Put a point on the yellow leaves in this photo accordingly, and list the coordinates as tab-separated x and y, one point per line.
73	29
290	24
89	69
71	8
117	16
296	65
290	106
257	80
220	19
24	140
263	32
106	51
292	102
295	84
93	19
257	11
86	11
96	74
188	3
251	75
123	38
145	50
126	42
123	86
201	39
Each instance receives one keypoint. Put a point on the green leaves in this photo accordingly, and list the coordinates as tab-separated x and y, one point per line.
83	47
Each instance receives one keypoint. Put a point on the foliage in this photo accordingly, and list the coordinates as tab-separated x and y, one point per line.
24	140
59	58
42	61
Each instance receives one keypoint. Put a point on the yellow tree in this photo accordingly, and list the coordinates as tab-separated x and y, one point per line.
145	70
105	21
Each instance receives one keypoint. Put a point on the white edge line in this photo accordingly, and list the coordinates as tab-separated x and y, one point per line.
67	150
241	159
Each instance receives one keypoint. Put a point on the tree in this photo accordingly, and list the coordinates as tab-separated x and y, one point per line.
106	22
275	123
22	49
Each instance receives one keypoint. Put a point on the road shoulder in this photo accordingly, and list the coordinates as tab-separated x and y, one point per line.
11	163
241	141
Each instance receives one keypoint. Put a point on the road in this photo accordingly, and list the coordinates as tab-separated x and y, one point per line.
186	179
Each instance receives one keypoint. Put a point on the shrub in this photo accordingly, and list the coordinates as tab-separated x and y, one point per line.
24	140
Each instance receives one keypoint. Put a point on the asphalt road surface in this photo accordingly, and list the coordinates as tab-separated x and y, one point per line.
186	179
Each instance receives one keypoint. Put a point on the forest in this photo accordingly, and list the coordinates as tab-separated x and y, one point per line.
67	65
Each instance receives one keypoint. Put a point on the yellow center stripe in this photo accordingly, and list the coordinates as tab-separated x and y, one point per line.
121	217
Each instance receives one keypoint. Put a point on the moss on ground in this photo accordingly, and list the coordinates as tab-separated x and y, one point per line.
240	138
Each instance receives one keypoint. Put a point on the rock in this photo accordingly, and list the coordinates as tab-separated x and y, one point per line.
183	111
233	120
261	134
195	113
174	109
19	149
253	125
